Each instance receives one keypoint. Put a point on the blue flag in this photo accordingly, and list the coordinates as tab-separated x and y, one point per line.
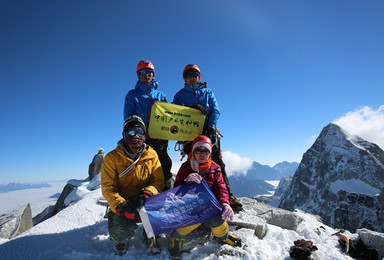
182	206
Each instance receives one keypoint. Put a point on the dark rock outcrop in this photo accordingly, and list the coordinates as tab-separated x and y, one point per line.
96	164
68	188
363	209
45	214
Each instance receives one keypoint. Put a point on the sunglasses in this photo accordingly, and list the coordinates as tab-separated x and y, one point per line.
133	132
191	74
142	72
201	151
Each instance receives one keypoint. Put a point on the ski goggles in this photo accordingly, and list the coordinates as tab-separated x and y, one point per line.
143	72
133	132
201	151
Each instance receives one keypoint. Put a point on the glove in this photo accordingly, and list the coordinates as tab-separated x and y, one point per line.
194	177
202	109
227	213
211	133
145	194
125	210
138	201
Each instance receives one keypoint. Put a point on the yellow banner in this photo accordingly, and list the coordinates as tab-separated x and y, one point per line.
174	122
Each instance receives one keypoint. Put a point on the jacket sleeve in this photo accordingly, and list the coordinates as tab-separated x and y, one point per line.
109	183
181	175
176	99
220	190
156	184
129	105
214	111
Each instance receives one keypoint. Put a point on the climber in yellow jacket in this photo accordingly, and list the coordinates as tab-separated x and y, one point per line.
131	173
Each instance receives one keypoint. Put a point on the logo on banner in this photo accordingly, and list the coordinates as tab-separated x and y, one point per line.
175	122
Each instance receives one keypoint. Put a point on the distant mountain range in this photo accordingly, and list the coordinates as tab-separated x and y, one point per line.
267	173
22	186
254	183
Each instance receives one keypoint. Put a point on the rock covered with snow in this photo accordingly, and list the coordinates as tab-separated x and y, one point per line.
246	219
74	190
337	166
273	200
283	186
272	215
373	240
16	221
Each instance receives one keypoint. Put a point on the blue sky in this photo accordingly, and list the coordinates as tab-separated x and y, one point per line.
280	70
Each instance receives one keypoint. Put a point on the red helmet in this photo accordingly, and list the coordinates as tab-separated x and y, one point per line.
202	139
191	67
145	64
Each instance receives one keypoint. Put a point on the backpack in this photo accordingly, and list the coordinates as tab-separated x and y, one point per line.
302	250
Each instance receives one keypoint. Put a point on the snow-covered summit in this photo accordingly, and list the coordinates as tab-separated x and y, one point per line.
80	232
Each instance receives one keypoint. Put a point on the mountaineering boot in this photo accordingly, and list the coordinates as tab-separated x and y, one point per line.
153	246
121	248
174	247
233	240
152	243
235	204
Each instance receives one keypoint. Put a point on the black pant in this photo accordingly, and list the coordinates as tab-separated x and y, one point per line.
161	148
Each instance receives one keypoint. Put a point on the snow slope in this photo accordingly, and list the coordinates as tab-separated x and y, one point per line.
80	232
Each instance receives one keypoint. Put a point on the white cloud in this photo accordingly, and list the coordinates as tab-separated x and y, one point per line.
364	122
236	164
233	163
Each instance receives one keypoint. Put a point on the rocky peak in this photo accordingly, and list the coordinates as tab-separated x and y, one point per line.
16	221
336	161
